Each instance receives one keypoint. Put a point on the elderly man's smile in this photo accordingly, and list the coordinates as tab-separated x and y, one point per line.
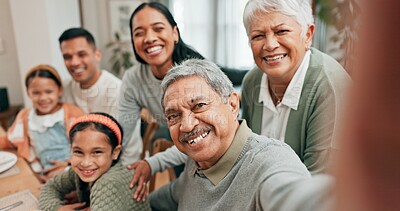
195	136
199	138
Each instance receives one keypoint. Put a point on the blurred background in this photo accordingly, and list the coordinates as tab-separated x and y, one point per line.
29	32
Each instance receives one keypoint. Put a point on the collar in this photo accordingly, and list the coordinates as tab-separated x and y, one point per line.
94	87
224	165
293	91
43	122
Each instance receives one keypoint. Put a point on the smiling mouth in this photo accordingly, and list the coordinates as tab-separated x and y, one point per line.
196	135
153	49
275	58
88	172
199	138
78	70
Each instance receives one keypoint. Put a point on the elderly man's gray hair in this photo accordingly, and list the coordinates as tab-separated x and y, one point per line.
207	70
299	9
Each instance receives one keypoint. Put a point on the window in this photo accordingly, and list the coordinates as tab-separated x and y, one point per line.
215	29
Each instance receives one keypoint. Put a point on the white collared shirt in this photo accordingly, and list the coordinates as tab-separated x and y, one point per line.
274	119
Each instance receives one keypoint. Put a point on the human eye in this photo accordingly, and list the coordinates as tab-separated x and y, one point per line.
49	91
172	118
158	28
67	57
77	152
138	33
256	37
35	93
82	54
282	31
97	152
199	107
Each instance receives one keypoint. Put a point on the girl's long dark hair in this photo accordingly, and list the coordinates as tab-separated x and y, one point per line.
181	50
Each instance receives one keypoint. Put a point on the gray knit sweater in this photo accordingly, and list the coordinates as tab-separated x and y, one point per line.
110	192
261	162
140	89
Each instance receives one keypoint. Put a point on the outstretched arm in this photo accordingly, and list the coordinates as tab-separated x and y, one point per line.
146	168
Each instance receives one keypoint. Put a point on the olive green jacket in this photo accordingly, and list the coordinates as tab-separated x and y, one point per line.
312	127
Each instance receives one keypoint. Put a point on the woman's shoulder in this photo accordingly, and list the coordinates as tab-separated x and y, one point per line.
136	72
251	81
252	76
328	65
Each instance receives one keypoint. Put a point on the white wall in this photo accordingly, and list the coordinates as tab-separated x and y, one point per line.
95	16
9	69
37	26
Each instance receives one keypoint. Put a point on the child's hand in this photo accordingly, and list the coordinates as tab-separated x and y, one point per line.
58	167
75	206
141	176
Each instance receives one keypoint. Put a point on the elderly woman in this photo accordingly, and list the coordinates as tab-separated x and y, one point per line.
295	92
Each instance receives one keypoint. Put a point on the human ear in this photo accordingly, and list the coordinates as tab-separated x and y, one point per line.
176	35
60	91
97	54
234	103
116	152
309	35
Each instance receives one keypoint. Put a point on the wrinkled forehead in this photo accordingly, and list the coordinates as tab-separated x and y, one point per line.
187	91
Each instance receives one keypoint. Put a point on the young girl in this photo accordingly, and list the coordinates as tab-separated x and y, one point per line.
101	182
40	134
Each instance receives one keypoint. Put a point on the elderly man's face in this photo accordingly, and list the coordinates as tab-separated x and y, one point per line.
277	45
201	125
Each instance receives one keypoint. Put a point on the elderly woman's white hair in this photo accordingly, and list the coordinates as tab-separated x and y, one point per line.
299	9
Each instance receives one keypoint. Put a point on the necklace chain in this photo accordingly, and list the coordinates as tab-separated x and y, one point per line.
278	100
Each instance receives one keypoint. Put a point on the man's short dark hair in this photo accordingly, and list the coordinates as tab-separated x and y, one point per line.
77	32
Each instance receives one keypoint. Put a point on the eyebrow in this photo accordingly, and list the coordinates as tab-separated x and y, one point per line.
189	102
96	148
273	27
153	24
196	99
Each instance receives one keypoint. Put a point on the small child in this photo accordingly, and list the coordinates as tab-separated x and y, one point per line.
101	182
40	134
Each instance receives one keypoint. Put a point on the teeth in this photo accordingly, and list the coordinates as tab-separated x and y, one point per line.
152	49
199	138
270	59
78	70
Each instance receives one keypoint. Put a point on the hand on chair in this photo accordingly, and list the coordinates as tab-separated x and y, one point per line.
141	176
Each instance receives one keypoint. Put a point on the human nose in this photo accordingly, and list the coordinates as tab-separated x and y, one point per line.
150	37
270	43
188	122
42	96
75	61
86	162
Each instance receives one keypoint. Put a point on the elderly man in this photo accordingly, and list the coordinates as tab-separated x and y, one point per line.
228	167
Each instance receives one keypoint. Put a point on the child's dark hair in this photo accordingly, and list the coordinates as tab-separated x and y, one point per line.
111	136
181	50
43	71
